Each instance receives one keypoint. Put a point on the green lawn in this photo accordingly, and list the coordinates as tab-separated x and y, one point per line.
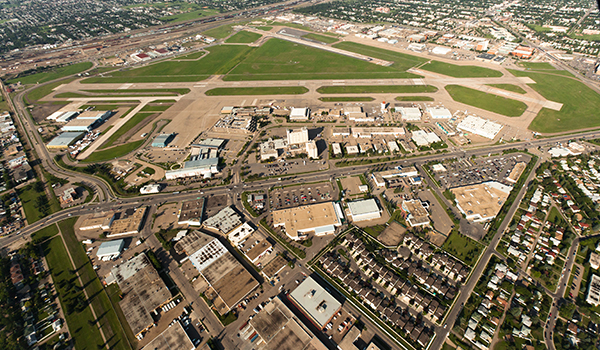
537	65
278	59
135	120
45	233
28	196
220	60
489	102
414	98
538	28
220	32
265	28
460	71
51	74
86	337
114	152
264	90
243	37
322	38
590	37
151	92
376	89
192	56
156	108
580	103
187	16
401	61
346	99
463	247
509	87
45	90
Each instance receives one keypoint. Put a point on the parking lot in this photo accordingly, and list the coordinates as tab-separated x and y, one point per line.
339	325
287	167
289	197
463	172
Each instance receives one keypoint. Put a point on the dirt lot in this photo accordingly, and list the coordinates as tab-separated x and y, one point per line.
392	235
166	216
289	197
350	185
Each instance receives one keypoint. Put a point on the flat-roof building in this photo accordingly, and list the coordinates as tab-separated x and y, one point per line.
65	139
481	202
593	292
191	212
377	131
99	221
210	143
315	302
366	209
162	140
271	149
110	250
297	136
417	215
229	223
480	126
439	113
410	114
195	167
298	222
174	337
127	222
82	125
422	138
299	114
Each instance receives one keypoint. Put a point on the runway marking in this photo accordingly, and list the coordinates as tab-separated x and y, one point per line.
125	86
243	103
338	84
200	86
254	102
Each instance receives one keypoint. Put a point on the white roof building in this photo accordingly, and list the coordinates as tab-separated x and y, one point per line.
299	114
480	126
337	149
297	136
111	249
439	113
410	114
593	293
422	138
153	188
315	302
362	210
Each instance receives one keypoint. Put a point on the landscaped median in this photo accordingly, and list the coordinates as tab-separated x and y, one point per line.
376	89
264	90
489	102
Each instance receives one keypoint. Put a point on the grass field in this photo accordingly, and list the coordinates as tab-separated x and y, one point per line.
243	37
278	59
265	28
538	28
190	15
537	65
220	60
509	87
588	37
463	247
114	152
401	61
86	337
52	74
322	38
376	89
44	90
135	120
460	71
156	108
414	98
489	102
45	233
192	56
181	91
28	196
346	99
220	32
580	103
265	90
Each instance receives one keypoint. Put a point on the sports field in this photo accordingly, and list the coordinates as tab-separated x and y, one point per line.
580	103
376	89
243	37
460	71
283	60
266	90
489	102
509	87
187	16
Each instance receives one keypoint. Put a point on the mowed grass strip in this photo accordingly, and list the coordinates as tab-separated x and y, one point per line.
51	74
135	120
489	102
156	108
537	65
181	91
192	56
45	233
219	60
414	98
509	87
86	337
221	31
113	152
456	71
401	61
278	59
346	99
264	90
376	89
322	38
243	37
44	90
580	103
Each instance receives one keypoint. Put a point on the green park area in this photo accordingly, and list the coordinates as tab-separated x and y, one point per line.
43	234
263	90
376	89
489	102
463	247
588	37
221	31
243	37
509	87
322	38
457	71
51	74
414	98
265	28
580	103
346	99
36	203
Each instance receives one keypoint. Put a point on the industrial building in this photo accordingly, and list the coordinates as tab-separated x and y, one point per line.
362	210
65	139
62	117
228	282
81	125
297	136
439	113
480	126
410	114
423	138
110	250
229	223
298	222
299	114
276	327
174	337
143	292
212	144
416	214
481	202
162	140
196	167
315	302
191	212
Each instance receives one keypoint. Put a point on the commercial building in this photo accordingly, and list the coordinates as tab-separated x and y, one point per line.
211	144
379	131
255	247
110	250
297	136
516	172
446	128
99	221
196	167
127	222
336	148
245	124
148	189
594	261
312	150
417	215
276	327
315	302
65	139
298	222
162	140
422	138
299	114
410	114
174	337
480	126
191	212
439	113
481	202
143	292
362	210
593	293
229	223
272	149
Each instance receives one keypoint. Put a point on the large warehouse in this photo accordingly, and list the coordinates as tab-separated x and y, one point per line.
65	139
315	302
162	140
195	167
481	202
362	210
480	126
298	222
83	125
